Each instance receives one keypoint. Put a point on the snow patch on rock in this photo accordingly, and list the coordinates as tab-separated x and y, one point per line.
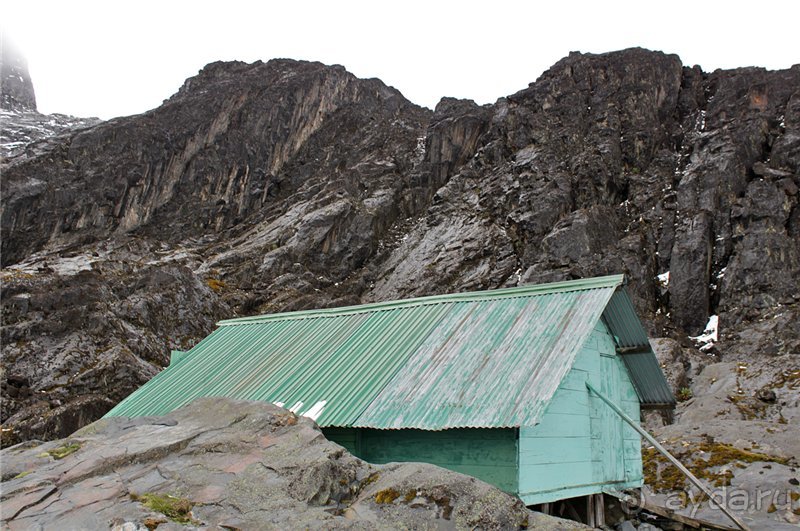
709	337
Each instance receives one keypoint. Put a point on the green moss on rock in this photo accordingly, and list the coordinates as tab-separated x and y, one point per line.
173	507
62	451
704	460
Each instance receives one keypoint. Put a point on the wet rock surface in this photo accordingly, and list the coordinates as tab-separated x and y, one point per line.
290	185
229	464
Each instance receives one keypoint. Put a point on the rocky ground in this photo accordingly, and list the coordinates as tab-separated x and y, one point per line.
225	464
289	185
736	428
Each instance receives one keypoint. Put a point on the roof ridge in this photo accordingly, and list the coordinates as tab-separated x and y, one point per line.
609	281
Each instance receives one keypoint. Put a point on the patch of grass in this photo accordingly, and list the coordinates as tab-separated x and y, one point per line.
386	496
410	495
22	474
683	394
173	507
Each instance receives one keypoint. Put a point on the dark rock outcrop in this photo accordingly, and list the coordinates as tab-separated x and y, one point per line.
26	134
288	185
230	147
23	130
88	330
230	464
16	87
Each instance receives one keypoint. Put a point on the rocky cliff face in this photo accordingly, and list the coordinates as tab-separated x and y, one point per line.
287	185
228	149
154	227
16	87
23	130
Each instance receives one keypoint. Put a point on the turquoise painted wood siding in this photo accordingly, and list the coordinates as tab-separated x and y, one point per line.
487	454
581	446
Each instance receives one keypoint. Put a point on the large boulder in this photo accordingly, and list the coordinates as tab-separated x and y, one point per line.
231	464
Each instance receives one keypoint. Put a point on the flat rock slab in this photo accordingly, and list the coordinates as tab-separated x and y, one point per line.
240	465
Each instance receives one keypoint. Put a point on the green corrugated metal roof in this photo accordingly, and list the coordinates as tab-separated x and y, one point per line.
492	363
648	380
639	358
611	281
620	316
489	359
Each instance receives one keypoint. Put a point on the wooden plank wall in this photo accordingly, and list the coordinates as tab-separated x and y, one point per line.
581	446
347	437
487	454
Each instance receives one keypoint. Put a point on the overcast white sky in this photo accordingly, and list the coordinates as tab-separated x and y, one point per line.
112	58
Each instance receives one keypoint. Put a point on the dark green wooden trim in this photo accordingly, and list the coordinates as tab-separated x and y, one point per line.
595	484
641	349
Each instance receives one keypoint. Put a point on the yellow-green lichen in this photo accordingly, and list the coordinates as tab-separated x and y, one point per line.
153	523
372	478
386	496
216	285
790	379
749	408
